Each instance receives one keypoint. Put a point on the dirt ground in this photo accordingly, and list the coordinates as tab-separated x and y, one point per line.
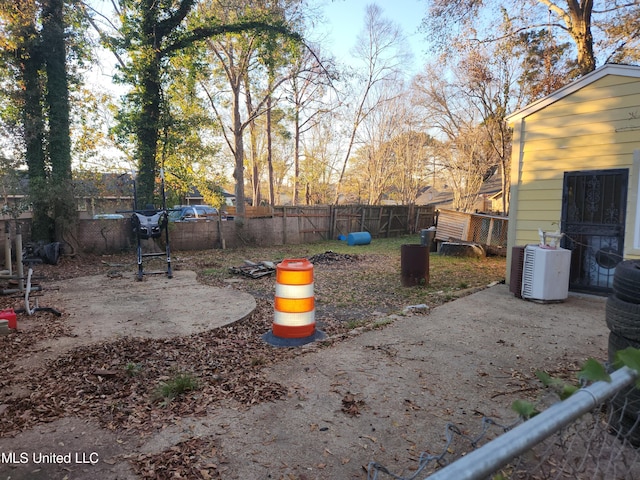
111	306
371	395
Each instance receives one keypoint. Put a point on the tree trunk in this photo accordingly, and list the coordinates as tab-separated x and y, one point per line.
53	34
580	29
296	156
505	184
147	134
34	132
255	167
147	123
272	195
238	152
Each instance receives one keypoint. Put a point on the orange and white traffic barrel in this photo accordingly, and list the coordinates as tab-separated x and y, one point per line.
294	304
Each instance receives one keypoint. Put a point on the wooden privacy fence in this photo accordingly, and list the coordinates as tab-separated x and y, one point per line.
324	222
381	221
267	226
252	212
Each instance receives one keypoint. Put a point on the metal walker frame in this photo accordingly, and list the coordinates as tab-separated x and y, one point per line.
149	224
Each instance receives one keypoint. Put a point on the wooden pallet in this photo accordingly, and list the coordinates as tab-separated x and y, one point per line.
254	270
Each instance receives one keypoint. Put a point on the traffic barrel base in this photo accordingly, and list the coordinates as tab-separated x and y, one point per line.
276	341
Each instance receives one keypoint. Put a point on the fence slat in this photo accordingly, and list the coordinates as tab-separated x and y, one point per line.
271	226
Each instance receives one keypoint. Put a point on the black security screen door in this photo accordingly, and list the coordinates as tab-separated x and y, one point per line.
593	218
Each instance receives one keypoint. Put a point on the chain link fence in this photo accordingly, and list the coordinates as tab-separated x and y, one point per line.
594	434
488	230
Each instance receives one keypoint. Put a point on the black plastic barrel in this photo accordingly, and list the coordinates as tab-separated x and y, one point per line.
414	265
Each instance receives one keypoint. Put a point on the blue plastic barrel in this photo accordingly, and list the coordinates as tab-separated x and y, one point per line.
359	238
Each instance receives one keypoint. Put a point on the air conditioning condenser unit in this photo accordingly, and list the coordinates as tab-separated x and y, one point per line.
545	273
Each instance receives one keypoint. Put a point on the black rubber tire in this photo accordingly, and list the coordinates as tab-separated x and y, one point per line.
617	342
627	401
626	281
625	426
623	318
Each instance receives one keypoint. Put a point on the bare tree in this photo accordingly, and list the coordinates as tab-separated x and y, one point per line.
381	159
380	47
462	147
318	162
306	91
465	166
236	61
622	37
414	163
233	61
617	21
489	82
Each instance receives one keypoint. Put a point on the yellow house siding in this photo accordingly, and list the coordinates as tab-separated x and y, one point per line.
590	101
546	173
539	206
578	140
595	127
612	89
527	231
541	190
619	116
538	216
616	81
514	200
597	155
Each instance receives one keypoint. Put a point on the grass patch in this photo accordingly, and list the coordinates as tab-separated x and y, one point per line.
179	384
132	369
382	323
214	271
351	324
258	361
359	290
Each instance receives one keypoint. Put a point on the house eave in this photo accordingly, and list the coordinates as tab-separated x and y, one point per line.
607	69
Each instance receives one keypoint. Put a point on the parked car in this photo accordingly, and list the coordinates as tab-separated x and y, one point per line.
192	213
108	216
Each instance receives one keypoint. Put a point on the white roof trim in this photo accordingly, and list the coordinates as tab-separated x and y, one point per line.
597	74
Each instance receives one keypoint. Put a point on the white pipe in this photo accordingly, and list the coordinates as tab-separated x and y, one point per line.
19	265
7	251
30	311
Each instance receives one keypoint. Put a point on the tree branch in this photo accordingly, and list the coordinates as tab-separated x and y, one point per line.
522	29
170	23
559	11
202	33
217	114
101	34
618	7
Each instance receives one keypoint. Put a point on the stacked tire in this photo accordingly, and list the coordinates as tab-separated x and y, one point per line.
623	321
